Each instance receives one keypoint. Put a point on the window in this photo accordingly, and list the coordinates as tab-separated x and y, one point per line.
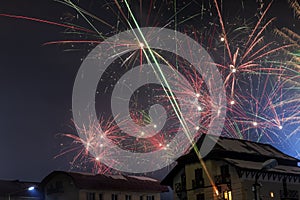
183	181
114	197
90	196
59	185
227	195
200	196
225	176
56	187
100	196
127	197
199	182
224	170
150	197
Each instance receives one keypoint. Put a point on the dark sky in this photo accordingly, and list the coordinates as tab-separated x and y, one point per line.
36	85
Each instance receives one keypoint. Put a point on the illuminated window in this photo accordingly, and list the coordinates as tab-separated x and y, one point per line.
227	195
272	194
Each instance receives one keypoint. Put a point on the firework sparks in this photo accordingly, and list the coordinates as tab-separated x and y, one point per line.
263	100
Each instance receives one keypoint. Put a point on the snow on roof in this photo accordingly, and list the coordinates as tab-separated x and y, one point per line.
243	146
234	145
258	165
111	182
117	177
144	178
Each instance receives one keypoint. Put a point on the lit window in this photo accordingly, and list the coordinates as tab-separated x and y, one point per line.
227	195
272	194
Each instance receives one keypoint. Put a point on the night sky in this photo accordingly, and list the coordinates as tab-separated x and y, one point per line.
36	83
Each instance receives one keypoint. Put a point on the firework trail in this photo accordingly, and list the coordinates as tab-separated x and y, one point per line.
261	106
263	102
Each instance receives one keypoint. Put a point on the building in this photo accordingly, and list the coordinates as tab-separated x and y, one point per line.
61	185
18	190
236	170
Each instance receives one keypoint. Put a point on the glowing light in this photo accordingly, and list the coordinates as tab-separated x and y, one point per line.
232	68
142	45
97	158
197	128
197	95
222	39
254	123
142	133
232	102
272	194
155	126
199	108
280	127
31	188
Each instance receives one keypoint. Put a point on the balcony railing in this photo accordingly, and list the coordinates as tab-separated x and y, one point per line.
198	183
290	195
180	187
219	179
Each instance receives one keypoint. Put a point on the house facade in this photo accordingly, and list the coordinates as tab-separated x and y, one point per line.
81	186
235	169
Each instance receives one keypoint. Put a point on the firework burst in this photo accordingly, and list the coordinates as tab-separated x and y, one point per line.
263	101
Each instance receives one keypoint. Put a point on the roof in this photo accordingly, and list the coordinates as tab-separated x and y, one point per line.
239	153
258	165
111	182
17	188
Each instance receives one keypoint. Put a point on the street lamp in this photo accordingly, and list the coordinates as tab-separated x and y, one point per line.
268	164
31	188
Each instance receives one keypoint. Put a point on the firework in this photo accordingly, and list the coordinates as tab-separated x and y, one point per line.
262	106
263	98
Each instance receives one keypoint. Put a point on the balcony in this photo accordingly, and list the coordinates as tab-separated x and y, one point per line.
179	187
198	183
290	195
221	179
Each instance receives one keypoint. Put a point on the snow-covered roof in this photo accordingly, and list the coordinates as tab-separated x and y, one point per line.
111	182
254	148
258	165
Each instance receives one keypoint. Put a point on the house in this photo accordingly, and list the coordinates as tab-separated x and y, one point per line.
235	169
17	190
60	185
